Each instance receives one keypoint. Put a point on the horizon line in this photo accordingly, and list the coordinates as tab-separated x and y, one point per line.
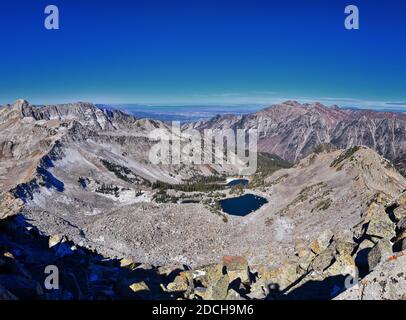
342	103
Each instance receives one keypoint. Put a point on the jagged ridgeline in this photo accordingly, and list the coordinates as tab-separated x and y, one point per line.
292	130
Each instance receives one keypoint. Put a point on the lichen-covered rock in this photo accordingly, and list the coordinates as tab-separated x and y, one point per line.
54	240
386	282
283	275
304	253
362	252
344	236
345	247
165	271
9	205
237	268
400	245
380	252
233	295
306	260
322	261
380	225
128	263
401	200
216	291
138	287
401	225
301	249
399	213
209	275
322	242
344	264
181	283
258	290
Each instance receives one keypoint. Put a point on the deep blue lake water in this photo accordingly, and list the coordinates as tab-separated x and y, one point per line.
243	205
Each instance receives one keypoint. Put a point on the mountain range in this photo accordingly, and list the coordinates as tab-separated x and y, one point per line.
293	130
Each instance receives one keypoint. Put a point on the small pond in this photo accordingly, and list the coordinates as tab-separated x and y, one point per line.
236	182
243	205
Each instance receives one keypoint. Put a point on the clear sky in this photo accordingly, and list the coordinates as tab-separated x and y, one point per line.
202	51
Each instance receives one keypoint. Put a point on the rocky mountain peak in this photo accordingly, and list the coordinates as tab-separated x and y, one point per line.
292	103
22	107
86	113
20	103
292	130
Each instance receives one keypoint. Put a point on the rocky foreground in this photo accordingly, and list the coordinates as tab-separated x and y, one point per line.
367	263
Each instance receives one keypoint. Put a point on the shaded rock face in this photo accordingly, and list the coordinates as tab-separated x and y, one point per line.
83	274
84	113
322	261
293	130
237	268
380	225
346	262
9	205
380	252
230	280
386	282
6	149
386	262
322	242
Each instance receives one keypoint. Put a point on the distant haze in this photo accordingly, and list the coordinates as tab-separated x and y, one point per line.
196	112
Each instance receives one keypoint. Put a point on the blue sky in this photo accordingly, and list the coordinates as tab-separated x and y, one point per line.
204	52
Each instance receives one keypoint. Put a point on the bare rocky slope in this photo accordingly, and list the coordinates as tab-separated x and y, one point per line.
79	179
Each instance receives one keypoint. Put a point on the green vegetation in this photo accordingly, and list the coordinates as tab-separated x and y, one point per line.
187	187
237	189
344	155
266	166
324	147
312	159
109	189
340	167
124	173
214	206
323	205
162	197
311	193
83	182
269	221
389	165
208	179
279	179
306	191
217	195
